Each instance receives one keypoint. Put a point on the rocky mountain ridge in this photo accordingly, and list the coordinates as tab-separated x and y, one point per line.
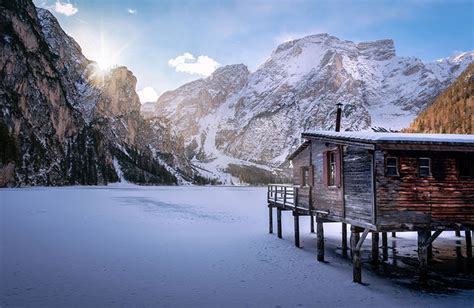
64	121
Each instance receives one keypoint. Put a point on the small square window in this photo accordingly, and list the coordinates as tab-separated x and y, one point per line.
424	169
391	166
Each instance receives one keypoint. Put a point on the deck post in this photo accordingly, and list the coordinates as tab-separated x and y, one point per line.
356	246
344	240
384	246
423	237
355	236
457	233
320	239
279	222
311	217
297	228
375	247
270	219
468	243
394	234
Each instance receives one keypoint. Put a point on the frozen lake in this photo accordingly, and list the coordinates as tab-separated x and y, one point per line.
180	246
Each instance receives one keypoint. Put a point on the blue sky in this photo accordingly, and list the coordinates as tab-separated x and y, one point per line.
158	40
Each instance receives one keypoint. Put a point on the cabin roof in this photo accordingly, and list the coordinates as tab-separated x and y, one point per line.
372	138
397	138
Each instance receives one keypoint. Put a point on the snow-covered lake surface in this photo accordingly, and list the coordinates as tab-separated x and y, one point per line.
182	246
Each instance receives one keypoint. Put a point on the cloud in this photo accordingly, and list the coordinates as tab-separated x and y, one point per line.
132	11
148	94
65	8
187	63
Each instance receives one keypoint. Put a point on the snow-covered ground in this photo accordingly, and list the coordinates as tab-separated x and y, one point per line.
181	246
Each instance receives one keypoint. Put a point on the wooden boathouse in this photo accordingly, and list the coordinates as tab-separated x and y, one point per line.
379	183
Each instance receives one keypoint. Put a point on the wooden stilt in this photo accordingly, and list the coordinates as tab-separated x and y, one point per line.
344	240
375	247
270	219
311	217
468	243
279	222
296	218
356	246
457	233
394	234
320	239
423	237
355	236
384	246
430	251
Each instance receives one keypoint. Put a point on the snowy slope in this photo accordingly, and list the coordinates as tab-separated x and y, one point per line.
296	89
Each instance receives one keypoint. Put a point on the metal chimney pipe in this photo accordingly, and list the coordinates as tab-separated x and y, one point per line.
338	116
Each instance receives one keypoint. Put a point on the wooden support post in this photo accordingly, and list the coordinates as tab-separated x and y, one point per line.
356	246
344	240
423	251
311	217
270	219
468	243
384	246
394	234
297	228
355	236
279	222
457	233
430	251
320	239
375	247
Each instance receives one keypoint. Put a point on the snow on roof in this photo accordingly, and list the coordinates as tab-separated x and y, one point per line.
374	137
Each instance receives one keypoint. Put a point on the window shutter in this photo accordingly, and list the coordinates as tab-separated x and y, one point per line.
301	176
311	175
338	167
325	168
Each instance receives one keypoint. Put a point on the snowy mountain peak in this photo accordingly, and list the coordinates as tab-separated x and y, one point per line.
257	118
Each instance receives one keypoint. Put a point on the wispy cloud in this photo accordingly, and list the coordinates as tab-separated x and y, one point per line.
132	11
187	63
148	94
65	8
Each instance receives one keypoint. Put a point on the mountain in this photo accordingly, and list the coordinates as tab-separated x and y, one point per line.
452	111
256	118
64	121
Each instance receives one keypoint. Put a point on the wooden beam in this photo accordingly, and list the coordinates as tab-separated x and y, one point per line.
468	243
270	219
297	228
344	240
375	247
457	233
279	222
320	239
394	234
384	246
356	245
311	217
423	237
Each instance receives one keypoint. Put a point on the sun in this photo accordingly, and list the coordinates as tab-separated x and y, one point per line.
104	63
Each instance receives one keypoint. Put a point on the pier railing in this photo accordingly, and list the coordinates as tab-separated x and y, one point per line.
282	195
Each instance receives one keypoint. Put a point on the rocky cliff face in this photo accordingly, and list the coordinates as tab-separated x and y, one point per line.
260	117
64	121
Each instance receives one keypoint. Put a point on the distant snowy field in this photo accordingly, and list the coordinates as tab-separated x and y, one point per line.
176	246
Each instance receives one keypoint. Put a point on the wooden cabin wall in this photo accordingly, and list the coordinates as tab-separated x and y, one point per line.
325	197
407	199
302	160
358	184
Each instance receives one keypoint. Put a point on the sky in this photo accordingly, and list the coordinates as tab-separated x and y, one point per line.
169	43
